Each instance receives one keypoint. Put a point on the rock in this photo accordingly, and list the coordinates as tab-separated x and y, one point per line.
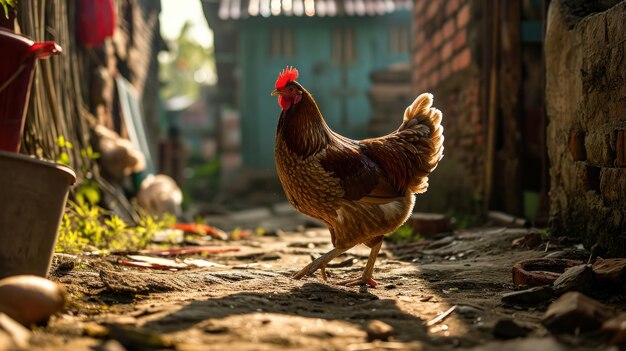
468	311
509	329
30	299
578	278
612	270
14	333
529	241
532	296
575	312
378	330
615	330
429	224
506	220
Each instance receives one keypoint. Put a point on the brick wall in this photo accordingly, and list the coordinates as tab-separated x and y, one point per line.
445	63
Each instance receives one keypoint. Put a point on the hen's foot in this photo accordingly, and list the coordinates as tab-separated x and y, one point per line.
319	263
362	280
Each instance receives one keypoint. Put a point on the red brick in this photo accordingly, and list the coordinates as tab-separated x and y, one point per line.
461	60
437	39
419	5
451	6
434	78
432	8
419	37
460	39
446	70
448	29
463	17
446	51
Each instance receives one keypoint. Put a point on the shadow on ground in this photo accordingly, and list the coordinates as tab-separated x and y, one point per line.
311	300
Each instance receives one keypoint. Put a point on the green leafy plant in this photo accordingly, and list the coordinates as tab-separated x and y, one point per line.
89	227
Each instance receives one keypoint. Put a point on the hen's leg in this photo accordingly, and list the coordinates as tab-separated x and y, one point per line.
319	263
366	277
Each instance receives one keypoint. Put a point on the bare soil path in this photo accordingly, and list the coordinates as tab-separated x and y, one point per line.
251	302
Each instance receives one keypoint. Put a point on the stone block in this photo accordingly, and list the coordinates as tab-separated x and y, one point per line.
600	147
611	270
574	312
613	186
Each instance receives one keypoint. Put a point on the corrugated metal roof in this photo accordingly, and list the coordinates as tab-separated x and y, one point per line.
238	9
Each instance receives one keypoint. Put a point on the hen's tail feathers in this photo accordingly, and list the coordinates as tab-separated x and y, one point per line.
425	121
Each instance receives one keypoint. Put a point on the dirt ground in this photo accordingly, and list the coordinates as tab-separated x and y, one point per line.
252	303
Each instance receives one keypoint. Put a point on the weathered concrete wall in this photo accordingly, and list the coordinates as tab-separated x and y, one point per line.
586	107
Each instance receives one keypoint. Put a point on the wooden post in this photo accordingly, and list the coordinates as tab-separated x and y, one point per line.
492	125
511	154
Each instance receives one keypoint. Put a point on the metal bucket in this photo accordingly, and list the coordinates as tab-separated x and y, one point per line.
33	194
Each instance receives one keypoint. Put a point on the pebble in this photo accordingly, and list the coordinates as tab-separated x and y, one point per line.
379	330
574	312
509	329
577	278
532	296
612	270
615	330
468	311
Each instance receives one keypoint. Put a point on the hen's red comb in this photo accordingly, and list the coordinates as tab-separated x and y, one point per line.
289	74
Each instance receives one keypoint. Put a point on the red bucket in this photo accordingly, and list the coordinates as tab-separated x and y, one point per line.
16	75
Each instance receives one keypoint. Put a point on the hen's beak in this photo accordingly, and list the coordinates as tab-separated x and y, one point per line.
276	92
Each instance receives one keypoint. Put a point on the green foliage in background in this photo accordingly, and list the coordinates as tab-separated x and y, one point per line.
5	5
184	67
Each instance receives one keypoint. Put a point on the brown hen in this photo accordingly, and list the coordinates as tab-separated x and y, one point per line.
361	189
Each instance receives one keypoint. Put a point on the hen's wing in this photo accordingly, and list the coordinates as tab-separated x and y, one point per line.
361	178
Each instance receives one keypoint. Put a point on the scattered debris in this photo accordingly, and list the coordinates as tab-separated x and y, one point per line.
441	317
202	263
508	329
378	330
529	240
17	335
574	312
139	339
429	224
532	296
615	330
577	278
469	311
157	262
201	229
540	271
30	299
506	220
188	250
612	270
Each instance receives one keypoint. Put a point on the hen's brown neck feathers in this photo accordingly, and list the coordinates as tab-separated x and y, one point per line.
303	128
